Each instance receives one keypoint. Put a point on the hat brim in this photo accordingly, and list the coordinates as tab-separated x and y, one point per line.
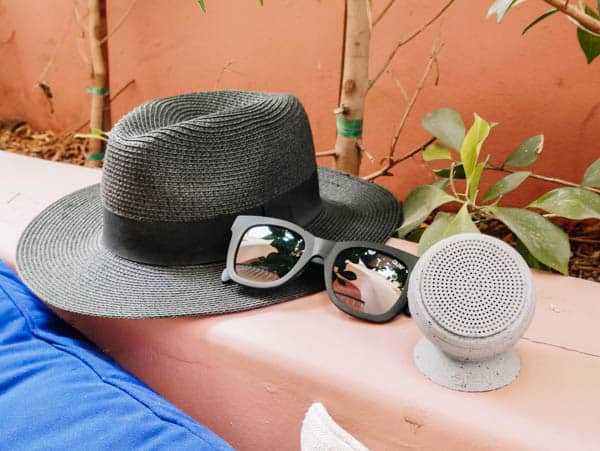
61	258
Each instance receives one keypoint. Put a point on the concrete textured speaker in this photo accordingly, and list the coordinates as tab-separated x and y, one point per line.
473	297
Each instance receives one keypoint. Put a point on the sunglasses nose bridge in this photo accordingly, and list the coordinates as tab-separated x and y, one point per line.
322	247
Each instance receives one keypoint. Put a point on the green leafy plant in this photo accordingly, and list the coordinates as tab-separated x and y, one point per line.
540	241
583	16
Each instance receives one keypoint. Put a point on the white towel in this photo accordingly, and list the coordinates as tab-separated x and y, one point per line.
320	433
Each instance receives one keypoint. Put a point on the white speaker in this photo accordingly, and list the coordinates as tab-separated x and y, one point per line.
472	297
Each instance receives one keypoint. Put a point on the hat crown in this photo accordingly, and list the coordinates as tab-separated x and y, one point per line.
202	155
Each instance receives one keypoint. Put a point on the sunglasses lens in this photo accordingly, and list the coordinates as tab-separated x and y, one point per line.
267	253
368	281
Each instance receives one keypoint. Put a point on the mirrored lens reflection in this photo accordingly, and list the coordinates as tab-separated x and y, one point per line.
267	253
368	281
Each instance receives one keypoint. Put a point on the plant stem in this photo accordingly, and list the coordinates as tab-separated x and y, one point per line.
393	162
99	114
407	39
577	13
326	153
543	177
383	12
389	159
355	81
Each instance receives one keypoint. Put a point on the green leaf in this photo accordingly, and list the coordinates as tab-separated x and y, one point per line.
441	183
436	151
461	223
572	203
501	7
545	240
475	177
419	204
90	136
202	5
532	262
415	235
527	152
471	146
435	231
592	173
446	125
505	185
458	173
589	43
539	19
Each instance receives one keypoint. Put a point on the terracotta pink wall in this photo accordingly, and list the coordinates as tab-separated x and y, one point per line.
537	83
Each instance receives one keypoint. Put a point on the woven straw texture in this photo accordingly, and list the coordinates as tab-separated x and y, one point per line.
253	147
61	259
190	158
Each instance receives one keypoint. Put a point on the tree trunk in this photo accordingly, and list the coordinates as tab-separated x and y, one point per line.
100	107
354	86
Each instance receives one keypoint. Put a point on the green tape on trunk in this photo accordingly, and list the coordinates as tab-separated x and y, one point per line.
349	128
97	91
95	156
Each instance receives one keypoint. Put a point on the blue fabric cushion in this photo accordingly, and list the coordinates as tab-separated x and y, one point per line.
58	392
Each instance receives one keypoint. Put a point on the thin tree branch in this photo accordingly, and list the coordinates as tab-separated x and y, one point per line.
119	23
41	77
543	177
365	151
383	12
577	13
389	159
393	162
223	70
326	153
407	39
413	99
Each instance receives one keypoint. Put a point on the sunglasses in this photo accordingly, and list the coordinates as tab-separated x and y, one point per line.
366	280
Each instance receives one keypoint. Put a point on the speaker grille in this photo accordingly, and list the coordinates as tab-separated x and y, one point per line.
473	288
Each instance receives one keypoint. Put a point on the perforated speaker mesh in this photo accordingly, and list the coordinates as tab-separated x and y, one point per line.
473	288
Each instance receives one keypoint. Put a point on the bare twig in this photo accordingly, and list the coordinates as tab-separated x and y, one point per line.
81	36
78	17
326	153
413	99
119	23
391	162
389	159
407	39
577	13
223	70
383	12
41	77
399	85
120	91
365	151
543	177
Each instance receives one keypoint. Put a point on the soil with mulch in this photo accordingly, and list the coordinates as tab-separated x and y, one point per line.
584	236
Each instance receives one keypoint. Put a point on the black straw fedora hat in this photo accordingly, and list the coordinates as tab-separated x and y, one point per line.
151	239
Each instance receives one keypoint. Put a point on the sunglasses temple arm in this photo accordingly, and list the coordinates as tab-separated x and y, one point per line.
225	278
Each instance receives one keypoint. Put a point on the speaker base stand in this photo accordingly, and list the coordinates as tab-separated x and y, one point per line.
482	375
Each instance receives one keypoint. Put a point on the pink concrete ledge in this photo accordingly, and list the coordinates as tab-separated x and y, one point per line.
251	376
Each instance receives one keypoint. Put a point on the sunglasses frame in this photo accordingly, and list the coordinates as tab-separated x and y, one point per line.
323	249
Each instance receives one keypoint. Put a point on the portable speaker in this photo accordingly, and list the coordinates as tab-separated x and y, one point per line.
473	297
